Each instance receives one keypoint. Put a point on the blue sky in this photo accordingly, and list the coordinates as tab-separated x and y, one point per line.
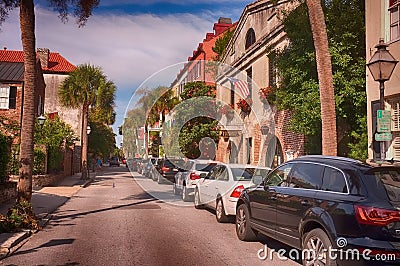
130	40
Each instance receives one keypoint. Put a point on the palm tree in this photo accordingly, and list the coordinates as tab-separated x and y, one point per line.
83	9
85	87
324	68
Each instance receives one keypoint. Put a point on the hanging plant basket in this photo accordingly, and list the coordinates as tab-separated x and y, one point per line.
245	106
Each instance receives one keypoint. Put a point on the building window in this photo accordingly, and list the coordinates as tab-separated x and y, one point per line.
272	73
8	97
394	19
250	38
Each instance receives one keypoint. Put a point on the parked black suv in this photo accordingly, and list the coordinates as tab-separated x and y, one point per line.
321	202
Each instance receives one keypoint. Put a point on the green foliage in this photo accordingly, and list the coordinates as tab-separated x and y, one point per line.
54	134
19	217
39	159
195	115
221	43
299	89
4	157
101	140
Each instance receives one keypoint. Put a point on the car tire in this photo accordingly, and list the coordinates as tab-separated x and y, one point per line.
220	212
242	223
185	194
197	201
315	242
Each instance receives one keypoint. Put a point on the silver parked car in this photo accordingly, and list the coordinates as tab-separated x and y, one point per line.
185	181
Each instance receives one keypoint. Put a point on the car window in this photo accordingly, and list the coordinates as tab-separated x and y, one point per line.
212	174
387	182
204	167
306	175
334	180
222	174
279	176
242	173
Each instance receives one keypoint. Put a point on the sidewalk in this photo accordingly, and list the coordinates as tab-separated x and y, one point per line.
45	200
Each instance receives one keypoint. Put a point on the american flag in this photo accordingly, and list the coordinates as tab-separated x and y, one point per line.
240	85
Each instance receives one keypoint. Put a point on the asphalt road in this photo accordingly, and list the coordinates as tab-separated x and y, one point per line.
115	222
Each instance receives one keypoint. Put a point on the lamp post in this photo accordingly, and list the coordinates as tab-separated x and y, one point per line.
41	119
381	66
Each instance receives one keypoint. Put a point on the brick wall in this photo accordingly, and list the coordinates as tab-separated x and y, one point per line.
289	140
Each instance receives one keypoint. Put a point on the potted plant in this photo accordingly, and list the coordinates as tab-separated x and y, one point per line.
267	94
245	105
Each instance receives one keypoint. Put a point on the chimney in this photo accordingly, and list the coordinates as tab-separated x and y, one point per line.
222	25
43	55
5	48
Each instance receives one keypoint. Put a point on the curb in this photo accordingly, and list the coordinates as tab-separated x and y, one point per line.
87	182
13	242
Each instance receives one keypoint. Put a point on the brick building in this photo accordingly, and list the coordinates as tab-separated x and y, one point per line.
12	94
53	69
259	137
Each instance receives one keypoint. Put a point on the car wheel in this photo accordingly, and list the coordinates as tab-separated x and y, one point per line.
197	201
220	212
315	248
243	228
185	195
175	189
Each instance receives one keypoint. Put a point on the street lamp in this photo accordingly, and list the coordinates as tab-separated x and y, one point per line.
381	66
41	119
88	130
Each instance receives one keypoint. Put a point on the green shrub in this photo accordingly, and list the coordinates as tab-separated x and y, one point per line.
19	217
4	157
55	158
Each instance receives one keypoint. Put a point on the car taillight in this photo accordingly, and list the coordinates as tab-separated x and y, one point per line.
194	176
376	216
237	191
165	169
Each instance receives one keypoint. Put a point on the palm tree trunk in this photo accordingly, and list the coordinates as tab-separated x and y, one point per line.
27	25
324	68
84	141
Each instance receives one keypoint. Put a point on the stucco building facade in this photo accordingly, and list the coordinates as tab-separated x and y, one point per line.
383	22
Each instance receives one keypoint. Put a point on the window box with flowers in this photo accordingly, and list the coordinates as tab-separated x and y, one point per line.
245	106
267	95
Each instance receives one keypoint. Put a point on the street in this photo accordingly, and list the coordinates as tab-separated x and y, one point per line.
115	222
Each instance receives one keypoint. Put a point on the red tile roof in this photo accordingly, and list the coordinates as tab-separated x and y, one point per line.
57	63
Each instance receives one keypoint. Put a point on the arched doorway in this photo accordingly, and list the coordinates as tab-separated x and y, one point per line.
274	156
234	154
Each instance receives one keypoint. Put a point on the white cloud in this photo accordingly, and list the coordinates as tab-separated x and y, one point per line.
129	48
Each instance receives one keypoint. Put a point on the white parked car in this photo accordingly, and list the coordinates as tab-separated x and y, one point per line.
185	181
221	188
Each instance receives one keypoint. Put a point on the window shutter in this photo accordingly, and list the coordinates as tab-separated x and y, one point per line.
12	100
396	145
396	116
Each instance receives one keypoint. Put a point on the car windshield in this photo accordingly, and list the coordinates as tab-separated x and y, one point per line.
204	167
390	178
240	174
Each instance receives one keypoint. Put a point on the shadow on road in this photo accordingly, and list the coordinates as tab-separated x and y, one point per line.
77	215
51	243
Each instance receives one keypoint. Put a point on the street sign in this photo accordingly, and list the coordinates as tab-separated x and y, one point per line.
384	121
383	136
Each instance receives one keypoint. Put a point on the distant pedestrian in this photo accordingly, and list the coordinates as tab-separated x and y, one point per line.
99	164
